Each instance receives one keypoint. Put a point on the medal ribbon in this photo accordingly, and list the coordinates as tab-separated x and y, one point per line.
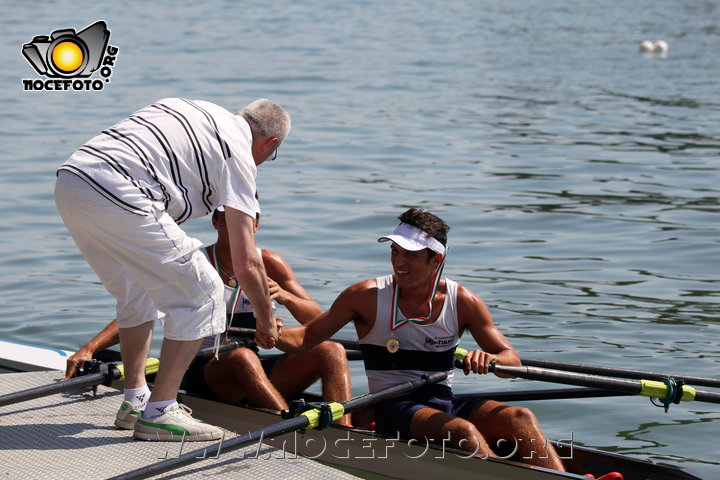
238	290
395	321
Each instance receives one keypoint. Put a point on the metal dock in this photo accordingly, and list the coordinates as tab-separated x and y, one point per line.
71	435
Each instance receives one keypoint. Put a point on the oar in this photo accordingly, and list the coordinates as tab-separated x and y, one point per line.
650	388
348	343
351	344
619	372
544	394
306	420
110	373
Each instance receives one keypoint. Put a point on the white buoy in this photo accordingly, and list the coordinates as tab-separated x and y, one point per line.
661	46
647	46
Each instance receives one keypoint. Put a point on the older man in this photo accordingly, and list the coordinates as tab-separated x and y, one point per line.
122	196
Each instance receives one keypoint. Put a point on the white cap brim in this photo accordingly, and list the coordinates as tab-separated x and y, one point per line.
412	238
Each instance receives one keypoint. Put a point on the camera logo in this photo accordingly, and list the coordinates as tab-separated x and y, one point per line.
67	57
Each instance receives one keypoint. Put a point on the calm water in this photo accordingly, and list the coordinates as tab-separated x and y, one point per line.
580	177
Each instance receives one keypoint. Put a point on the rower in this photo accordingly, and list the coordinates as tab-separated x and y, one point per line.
409	323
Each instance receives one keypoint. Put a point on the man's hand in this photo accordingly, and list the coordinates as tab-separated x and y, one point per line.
276	291
267	333
478	361
76	361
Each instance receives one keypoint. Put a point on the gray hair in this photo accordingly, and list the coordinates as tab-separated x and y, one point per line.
267	119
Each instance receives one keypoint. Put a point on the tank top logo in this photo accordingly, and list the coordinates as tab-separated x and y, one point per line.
440	341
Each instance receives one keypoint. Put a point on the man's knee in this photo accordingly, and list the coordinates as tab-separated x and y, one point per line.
520	415
466	436
242	358
331	353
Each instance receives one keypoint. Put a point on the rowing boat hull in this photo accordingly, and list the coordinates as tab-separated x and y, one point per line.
21	357
362	452
365	453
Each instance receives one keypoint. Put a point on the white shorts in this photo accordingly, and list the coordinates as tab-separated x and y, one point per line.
146	262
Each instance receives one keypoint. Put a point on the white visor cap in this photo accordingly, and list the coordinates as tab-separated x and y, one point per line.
412	238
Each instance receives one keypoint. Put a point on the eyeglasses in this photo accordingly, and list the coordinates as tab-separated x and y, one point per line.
273	156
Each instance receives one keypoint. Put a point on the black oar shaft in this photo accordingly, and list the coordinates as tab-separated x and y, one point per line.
59	387
570	378
619	372
400	389
633	387
709	397
281	428
544	394
88	380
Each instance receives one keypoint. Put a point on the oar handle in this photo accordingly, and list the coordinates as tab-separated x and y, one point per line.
460	354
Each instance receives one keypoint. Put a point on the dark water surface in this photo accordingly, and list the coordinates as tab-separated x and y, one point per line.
579	176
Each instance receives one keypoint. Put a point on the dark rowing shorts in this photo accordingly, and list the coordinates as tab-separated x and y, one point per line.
194	379
394	416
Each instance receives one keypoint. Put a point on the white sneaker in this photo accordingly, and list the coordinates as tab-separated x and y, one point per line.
175	425
126	416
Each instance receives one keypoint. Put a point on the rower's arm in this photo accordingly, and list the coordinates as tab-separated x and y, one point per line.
250	273
474	315
286	290
350	305
107	337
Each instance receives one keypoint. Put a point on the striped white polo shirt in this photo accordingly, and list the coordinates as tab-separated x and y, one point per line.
185	156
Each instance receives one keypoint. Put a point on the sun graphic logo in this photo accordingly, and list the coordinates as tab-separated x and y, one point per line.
67	58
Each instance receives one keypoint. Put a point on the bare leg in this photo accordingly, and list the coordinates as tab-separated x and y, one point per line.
134	346
500	422
336	383
175	356
238	376
431	423
293	373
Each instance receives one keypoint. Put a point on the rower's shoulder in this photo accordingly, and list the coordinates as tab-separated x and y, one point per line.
358	303
357	297
272	259
276	266
365	287
469	301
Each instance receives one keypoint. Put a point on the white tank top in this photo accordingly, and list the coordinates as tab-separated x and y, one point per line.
423	348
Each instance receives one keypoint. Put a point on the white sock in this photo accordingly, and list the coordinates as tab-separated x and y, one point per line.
155	409
138	396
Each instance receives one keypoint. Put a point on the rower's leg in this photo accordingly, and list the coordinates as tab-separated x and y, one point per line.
428	423
327	361
239	376
499	422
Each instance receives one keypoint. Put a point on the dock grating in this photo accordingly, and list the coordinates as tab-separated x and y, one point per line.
71	435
